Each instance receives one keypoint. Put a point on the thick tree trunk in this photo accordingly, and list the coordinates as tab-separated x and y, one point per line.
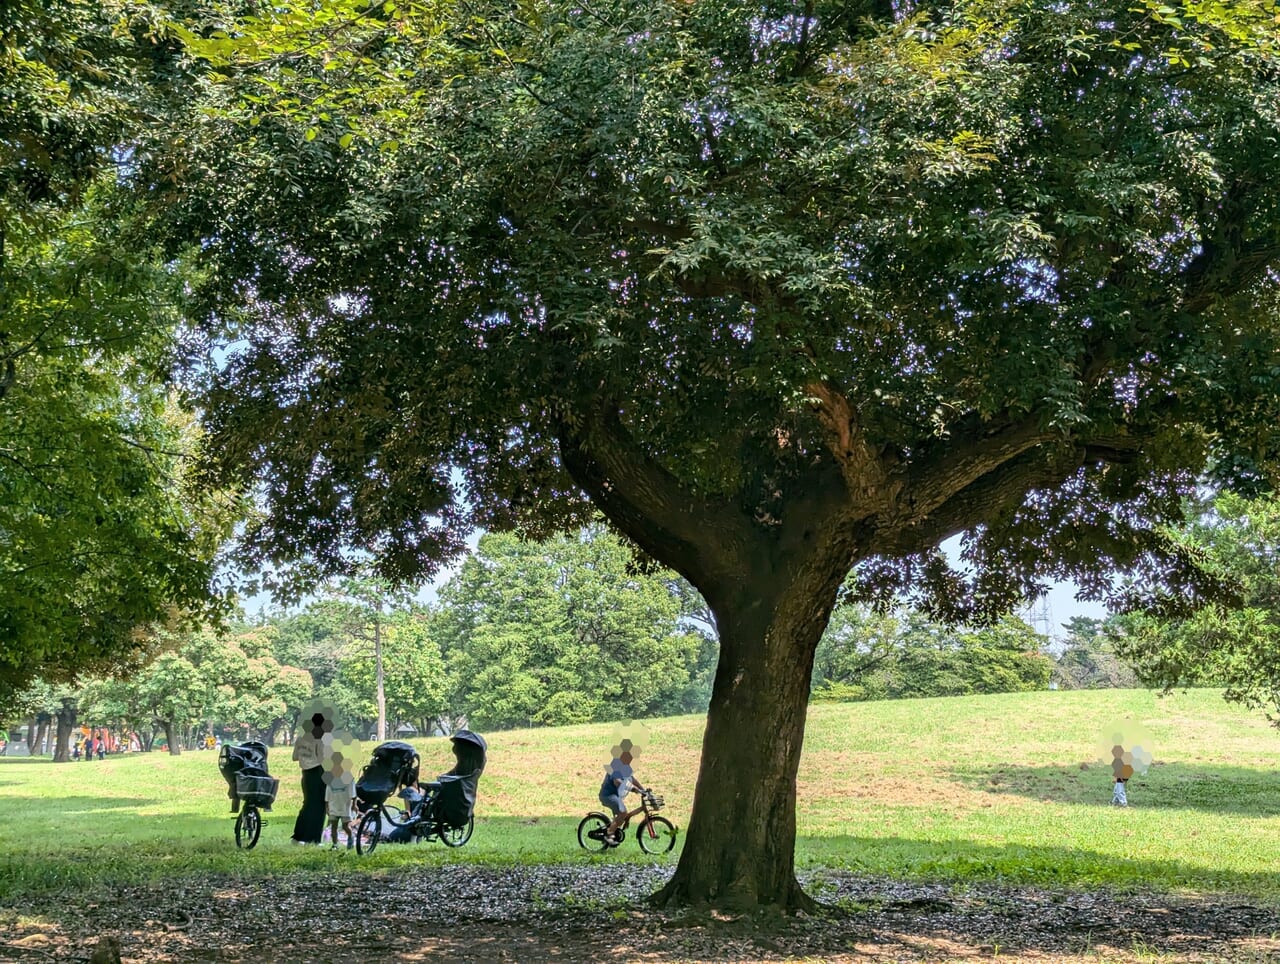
739	851
42	734
66	724
32	726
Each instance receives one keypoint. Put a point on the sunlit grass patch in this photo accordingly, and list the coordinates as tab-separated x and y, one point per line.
1006	788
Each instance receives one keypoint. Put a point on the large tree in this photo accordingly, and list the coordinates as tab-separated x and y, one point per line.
781	289
96	539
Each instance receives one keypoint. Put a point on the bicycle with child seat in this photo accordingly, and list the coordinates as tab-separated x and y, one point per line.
655	835
420	819
256	793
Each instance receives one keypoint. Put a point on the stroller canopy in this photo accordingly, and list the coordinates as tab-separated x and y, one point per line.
243	760
233	759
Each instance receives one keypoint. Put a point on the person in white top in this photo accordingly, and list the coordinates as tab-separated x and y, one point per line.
339	795
309	750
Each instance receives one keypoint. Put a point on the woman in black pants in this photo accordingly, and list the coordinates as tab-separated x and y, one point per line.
309	750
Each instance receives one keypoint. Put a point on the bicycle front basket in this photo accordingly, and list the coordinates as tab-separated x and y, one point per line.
656	802
257	790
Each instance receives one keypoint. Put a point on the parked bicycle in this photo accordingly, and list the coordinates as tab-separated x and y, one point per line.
655	835
251	789
440	810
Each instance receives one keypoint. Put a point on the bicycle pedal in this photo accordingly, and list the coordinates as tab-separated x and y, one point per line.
595	834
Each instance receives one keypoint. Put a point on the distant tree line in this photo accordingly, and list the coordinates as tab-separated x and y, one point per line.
531	634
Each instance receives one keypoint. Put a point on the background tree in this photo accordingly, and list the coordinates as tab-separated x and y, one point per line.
1236	647
1089	660
98	539
869	656
366	605
564	631
417	683
782	292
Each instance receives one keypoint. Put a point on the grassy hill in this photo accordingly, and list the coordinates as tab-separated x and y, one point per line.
1011	787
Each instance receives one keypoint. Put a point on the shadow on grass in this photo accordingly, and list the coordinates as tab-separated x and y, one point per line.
1015	864
1166	786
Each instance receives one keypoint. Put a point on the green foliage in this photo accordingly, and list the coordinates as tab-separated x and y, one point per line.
1236	647
99	537
869	656
417	683
564	632
1089	659
1005	237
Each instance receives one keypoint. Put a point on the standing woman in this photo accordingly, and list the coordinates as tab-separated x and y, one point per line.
309	750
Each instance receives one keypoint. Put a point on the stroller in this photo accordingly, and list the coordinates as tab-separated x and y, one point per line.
443	810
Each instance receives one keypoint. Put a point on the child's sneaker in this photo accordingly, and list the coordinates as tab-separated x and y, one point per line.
351	844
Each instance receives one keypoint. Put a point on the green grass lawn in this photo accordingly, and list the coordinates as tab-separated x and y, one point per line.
1009	787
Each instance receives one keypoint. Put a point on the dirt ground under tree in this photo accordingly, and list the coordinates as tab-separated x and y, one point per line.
592	913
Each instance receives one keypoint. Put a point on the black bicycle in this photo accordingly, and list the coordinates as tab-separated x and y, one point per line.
655	835
426	819
251	788
441	810
256	793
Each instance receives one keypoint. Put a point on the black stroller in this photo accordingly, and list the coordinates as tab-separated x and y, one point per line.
244	767
443	810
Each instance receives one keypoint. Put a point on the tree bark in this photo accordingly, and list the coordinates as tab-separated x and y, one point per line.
66	717
739	851
42	735
170	735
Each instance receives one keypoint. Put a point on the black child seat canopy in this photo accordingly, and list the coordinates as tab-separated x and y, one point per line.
394	765
456	798
244	767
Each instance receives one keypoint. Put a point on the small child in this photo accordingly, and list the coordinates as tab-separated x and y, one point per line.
619	780
339	794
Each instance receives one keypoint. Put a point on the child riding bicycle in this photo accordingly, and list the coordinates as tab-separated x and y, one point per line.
619	780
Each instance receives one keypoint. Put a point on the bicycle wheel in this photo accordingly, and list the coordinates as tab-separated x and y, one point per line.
248	827
593	822
457	836
368	832
657	835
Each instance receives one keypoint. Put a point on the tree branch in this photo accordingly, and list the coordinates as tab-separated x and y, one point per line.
931	482
651	506
865	471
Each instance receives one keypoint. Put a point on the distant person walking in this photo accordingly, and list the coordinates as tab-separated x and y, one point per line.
100	747
309	750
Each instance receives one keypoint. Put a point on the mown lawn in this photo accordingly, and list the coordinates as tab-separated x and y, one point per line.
1010	788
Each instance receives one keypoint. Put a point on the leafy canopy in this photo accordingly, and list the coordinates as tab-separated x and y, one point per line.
1001	268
